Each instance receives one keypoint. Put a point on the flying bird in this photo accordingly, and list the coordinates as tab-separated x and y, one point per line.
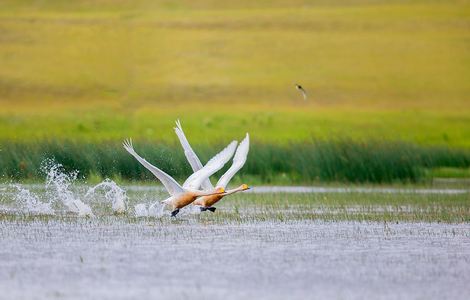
181	196
301	89
207	202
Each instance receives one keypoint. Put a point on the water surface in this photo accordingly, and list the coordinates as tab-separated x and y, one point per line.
108	258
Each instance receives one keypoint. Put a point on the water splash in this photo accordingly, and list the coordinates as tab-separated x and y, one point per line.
60	191
58	188
154	210
141	210
82	209
30	203
113	193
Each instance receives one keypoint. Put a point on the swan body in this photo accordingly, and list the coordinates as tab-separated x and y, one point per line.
180	196
181	200
238	162
209	201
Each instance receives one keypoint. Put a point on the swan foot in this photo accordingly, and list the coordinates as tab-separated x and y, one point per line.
175	212
211	209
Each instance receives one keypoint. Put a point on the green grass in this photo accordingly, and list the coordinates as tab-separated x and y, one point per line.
446	172
300	163
106	70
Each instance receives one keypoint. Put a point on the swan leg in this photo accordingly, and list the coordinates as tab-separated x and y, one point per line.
175	212
211	209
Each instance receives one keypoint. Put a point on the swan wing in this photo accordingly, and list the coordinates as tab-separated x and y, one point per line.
170	184
238	161
213	165
191	156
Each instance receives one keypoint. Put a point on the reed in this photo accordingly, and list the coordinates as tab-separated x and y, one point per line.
343	160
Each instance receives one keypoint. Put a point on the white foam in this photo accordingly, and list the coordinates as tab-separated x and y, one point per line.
29	202
113	193
58	188
141	210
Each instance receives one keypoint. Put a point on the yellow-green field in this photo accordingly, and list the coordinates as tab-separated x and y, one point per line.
105	70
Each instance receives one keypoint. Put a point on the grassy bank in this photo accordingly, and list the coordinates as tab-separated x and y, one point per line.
343	161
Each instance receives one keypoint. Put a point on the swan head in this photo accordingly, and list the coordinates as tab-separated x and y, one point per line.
244	187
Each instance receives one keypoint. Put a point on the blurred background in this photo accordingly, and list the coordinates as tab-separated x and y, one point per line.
388	86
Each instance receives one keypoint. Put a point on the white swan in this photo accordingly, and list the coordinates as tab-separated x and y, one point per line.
180	196
239	160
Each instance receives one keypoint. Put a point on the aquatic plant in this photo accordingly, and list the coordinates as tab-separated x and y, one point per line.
342	160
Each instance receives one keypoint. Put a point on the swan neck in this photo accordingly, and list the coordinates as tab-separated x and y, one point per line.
232	191
201	193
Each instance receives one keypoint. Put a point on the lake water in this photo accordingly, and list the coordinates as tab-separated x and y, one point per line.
60	240
110	258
